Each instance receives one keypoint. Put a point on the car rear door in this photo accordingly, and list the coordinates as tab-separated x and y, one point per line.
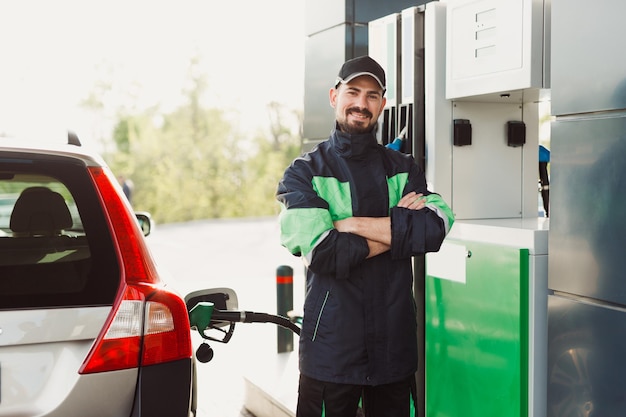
59	276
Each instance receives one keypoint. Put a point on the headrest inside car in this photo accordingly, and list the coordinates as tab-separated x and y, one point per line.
40	211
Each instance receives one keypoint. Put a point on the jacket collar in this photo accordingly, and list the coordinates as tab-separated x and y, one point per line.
353	145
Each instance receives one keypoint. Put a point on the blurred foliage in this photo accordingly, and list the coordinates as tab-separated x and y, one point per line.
192	164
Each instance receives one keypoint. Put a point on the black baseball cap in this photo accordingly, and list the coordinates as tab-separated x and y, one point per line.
363	65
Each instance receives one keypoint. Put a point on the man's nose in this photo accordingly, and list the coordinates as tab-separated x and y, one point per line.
362	101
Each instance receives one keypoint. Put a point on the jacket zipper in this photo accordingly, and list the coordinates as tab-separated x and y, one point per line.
319	317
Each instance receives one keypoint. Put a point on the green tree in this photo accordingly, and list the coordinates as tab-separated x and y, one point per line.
192	164
266	166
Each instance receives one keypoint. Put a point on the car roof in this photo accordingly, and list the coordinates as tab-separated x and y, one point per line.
39	147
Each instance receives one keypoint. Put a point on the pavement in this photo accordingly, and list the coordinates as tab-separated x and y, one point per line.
247	377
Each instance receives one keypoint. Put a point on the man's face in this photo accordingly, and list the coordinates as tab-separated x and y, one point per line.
357	104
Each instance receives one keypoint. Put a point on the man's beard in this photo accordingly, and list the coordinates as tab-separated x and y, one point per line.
357	127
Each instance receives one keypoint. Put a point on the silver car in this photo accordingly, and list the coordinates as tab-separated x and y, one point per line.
87	327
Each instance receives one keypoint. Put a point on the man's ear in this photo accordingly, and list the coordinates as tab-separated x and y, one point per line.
332	95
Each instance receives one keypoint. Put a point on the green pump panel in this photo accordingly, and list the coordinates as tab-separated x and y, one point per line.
484	326
476	336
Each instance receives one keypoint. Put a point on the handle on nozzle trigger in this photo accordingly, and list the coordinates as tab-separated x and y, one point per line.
200	316
398	142
204	316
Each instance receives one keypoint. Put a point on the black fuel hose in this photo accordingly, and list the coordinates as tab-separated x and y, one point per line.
252	317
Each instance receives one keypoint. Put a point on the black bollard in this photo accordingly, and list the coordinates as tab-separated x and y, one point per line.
284	304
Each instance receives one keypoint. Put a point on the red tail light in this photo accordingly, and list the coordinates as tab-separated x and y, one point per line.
148	324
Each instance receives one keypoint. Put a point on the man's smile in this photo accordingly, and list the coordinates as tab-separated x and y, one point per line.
361	115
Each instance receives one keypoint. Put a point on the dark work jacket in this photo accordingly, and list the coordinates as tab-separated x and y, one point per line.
359	324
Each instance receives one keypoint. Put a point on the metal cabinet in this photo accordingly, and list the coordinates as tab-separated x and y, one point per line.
485	303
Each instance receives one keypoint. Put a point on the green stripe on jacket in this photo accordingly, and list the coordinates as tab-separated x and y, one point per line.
302	227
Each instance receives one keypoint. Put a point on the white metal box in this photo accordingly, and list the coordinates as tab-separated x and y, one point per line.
495	46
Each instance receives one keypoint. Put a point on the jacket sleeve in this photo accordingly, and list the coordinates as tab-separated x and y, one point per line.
415	232
307	230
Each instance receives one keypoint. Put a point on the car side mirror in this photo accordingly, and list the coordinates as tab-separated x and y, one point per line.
145	222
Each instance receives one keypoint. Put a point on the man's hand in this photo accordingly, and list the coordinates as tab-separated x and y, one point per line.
412	201
372	228
377	230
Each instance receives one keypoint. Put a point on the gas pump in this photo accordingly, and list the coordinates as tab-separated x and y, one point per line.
383	41
486	290
470	82
396	41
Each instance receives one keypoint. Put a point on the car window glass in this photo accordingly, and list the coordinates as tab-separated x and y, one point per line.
11	190
55	246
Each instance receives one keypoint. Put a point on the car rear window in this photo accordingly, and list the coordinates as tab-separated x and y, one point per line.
56	249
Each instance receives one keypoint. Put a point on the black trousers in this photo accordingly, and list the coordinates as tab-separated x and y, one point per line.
318	398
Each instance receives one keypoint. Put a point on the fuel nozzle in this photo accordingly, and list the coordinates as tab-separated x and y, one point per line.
200	318
398	143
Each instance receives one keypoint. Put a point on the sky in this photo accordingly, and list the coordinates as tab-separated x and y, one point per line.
54	53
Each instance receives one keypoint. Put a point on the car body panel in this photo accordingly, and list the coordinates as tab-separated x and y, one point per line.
40	354
61	291
61	391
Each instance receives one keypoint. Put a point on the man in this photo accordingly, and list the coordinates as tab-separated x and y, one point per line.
357	212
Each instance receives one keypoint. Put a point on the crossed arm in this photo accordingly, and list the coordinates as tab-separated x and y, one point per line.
377	230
